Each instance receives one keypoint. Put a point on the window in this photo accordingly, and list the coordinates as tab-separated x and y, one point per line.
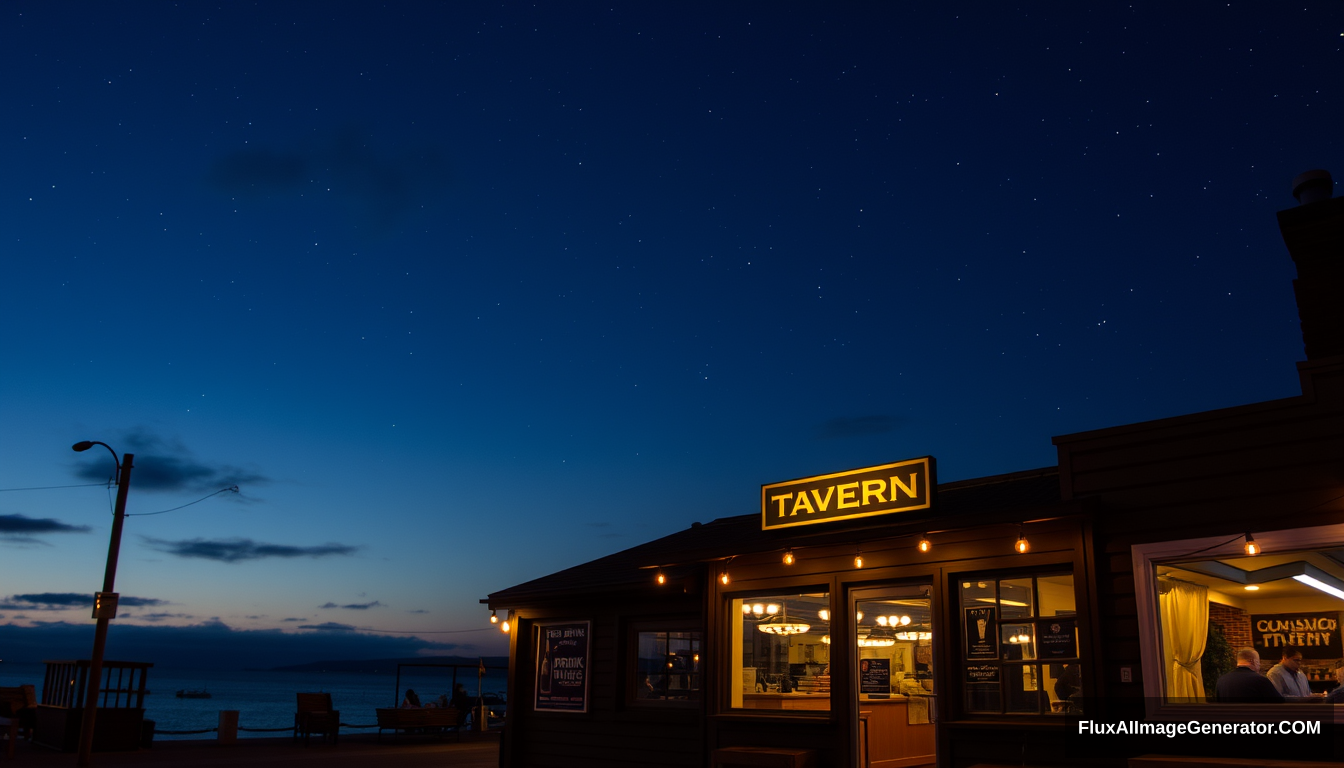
1279	603
667	666
1019	650
781	647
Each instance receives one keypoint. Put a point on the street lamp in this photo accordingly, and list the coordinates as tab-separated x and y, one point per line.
105	602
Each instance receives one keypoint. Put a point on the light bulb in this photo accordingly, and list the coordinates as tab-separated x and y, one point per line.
1251	547
788	557
1021	546
662	578
504	626
824	615
493	618
858	561
924	544
723	578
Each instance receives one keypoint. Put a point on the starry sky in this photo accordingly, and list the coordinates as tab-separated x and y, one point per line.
461	294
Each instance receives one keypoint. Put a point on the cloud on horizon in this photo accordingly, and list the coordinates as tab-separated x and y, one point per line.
352	606
164	465
61	601
22	524
329	626
843	427
241	550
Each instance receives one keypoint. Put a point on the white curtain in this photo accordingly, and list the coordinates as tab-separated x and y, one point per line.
1185	626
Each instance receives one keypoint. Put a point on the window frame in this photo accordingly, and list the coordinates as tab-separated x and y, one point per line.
1006	666
1146	557
732	651
634	677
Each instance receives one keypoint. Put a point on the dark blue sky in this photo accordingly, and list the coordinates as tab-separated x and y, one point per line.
463	294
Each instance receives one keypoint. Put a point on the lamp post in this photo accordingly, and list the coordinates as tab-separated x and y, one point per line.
103	611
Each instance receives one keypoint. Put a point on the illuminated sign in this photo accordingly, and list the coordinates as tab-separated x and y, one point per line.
904	486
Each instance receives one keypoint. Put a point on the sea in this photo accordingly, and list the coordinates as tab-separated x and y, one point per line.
265	699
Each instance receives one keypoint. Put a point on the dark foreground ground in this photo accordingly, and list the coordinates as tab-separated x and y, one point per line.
353	750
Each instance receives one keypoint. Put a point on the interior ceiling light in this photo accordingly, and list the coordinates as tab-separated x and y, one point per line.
789	559
824	615
1316	583
779	624
880	637
1252	587
1014	603
1251	547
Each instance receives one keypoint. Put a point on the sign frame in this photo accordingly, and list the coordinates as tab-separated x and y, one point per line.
821	498
566	645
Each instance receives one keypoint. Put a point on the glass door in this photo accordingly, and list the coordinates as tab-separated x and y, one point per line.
893	676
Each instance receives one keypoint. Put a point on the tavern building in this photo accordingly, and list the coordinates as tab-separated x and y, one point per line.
875	618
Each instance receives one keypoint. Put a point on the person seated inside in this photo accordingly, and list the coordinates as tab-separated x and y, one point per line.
1287	675
1337	695
412	700
1245	683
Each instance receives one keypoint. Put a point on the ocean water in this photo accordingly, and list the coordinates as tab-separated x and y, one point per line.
266	699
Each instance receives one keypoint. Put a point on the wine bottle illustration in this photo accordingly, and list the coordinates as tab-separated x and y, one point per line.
546	670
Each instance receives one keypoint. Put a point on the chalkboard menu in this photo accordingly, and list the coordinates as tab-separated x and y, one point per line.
874	675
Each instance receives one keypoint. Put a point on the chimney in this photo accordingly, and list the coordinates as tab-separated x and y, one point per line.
1314	234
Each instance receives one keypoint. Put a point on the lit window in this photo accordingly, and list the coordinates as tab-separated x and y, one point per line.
1019	650
781	648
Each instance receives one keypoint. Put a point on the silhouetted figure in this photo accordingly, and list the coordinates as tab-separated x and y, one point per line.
412	700
1245	683
462	702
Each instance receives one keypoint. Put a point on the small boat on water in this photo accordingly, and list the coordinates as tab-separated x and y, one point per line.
187	693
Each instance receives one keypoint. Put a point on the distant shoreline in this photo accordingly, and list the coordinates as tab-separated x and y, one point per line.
389	666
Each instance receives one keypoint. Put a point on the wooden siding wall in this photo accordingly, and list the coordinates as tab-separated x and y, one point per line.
1267	466
611	734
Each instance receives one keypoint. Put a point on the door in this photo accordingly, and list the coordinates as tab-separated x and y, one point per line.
893	676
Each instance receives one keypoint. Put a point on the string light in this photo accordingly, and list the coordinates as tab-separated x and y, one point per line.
661	578
924	544
504	626
494	618
1251	547
789	559
858	559
723	578
1021	546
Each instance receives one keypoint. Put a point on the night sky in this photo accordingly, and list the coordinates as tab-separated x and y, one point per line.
459	295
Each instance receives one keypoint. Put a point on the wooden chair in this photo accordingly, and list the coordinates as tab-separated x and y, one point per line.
315	715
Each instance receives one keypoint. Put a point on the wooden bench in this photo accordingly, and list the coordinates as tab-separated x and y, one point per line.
764	757
424	720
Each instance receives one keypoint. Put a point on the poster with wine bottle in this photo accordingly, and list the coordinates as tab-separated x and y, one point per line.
562	666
